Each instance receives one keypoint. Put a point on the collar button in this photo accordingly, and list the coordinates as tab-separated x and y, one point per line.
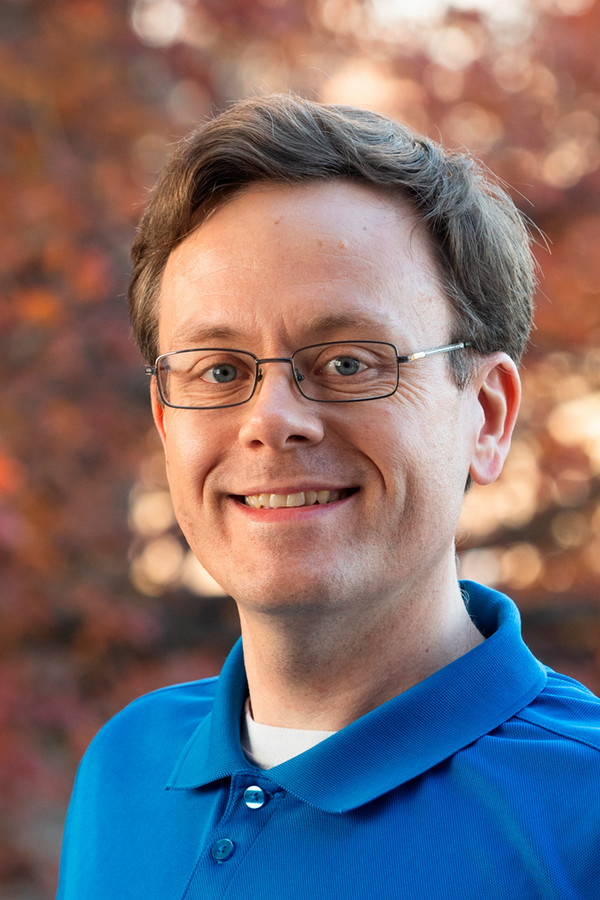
254	797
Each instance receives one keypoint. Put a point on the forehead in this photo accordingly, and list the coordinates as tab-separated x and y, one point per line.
317	256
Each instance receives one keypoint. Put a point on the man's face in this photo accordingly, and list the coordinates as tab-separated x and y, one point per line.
275	269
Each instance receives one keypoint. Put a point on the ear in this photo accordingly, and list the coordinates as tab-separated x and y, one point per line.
498	388
158	411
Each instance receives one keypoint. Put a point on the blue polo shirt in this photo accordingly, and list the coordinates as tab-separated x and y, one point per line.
482	781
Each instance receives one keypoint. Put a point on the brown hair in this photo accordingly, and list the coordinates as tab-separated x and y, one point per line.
482	242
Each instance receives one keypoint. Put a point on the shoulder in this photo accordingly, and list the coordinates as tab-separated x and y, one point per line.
174	702
565	708
155	725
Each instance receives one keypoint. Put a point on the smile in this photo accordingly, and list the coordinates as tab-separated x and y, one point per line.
301	498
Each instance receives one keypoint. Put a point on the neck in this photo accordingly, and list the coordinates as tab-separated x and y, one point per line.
325	669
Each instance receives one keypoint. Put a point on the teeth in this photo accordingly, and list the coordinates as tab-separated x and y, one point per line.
302	498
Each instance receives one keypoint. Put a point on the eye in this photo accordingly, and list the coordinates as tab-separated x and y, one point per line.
221	374
344	365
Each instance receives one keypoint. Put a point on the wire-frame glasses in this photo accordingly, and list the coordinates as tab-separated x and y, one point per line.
334	372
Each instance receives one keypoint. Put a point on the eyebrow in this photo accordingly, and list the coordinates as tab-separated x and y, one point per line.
322	325
192	333
326	323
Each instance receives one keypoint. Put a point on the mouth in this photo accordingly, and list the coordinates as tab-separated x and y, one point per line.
300	498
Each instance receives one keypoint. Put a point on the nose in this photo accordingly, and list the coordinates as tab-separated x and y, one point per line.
278	416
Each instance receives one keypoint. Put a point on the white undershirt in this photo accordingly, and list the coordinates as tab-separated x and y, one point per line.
269	745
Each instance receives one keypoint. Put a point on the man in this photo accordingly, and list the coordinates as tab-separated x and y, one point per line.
333	309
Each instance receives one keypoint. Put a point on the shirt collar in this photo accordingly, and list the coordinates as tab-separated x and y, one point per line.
395	742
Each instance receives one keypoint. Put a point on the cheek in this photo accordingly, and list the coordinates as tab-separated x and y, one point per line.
399	440
422	446
187	461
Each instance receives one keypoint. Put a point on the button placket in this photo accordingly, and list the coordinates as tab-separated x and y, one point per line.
223	848
236	837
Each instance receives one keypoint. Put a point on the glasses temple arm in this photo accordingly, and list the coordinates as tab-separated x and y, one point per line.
421	354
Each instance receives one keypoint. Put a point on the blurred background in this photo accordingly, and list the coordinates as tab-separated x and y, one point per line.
99	598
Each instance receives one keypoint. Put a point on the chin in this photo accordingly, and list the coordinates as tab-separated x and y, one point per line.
287	596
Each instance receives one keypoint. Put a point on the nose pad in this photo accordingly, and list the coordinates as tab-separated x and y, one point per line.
296	373
298	376
260	375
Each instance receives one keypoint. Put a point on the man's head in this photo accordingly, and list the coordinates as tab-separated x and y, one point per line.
478	236
284	225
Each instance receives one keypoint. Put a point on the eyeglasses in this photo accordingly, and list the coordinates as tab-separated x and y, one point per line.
336	372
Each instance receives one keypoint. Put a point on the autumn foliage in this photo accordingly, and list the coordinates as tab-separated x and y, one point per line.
99	598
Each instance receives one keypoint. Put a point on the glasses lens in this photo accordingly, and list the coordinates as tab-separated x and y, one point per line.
361	370
206	379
